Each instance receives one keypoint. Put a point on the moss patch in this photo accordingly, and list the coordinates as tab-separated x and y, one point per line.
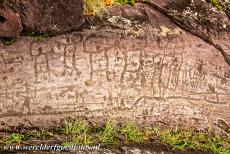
8	40
35	35
217	4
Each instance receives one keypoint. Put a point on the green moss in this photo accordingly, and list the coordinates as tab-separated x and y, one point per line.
123	2
8	40
36	36
217	4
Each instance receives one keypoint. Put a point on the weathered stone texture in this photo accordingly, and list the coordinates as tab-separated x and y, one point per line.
175	81
47	16
10	23
151	73
200	19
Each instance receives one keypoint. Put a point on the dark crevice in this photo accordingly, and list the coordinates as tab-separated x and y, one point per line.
187	27
227	12
2	19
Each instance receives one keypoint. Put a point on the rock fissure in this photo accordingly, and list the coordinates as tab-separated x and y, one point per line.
2	19
190	28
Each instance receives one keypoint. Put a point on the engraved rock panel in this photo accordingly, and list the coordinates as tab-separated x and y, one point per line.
58	78
105	73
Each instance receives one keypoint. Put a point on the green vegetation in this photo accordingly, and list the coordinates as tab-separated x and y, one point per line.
14	138
92	7
74	127
8	40
132	133
36	36
123	2
182	140
40	134
217	4
78	132
81	138
108	134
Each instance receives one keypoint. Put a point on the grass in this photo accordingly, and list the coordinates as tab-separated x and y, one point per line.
74	127
108	134
183	140
78	132
40	134
177	140
132	133
81	138
14	138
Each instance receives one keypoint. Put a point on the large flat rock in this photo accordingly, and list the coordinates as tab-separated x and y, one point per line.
150	73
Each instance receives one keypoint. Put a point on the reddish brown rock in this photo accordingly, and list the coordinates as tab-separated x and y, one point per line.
48	16
200	19
153	71
10	23
227	11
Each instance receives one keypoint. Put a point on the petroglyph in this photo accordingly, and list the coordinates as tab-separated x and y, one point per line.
148	79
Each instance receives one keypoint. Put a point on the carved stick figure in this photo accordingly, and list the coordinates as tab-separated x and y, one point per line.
27	98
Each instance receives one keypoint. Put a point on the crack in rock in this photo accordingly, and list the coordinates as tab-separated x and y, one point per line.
189	27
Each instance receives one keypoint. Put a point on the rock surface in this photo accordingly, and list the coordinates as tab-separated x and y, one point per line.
200	19
153	72
10	23
46	16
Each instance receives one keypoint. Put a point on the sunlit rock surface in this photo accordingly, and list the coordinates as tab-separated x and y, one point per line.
151	72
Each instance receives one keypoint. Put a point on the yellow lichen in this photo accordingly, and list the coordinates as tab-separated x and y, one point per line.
166	31
94	7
